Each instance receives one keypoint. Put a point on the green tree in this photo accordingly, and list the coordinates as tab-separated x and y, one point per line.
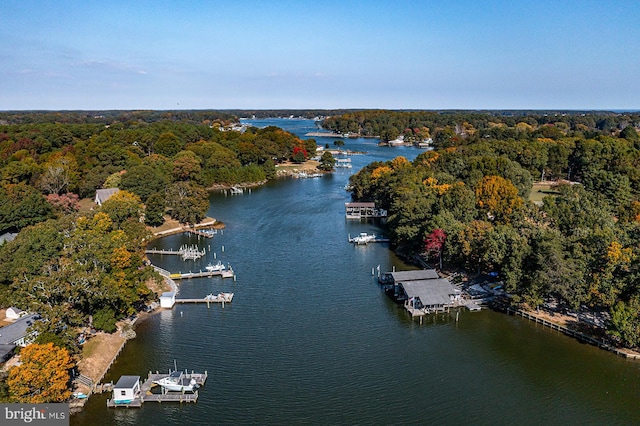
625	322
327	161
154	210
22	205
187	202
143	180
105	320
168	144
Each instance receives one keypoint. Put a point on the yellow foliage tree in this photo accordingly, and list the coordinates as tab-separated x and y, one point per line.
43	375
619	256
399	163
498	196
378	172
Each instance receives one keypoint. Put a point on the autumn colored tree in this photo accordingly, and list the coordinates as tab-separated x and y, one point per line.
59	175
43	375
122	206
65	203
434	243
498	197
186	166
299	155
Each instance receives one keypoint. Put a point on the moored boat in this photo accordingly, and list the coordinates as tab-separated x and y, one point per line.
177	382
215	268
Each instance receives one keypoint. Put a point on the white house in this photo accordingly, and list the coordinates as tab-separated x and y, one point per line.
103	195
168	299
126	390
14	313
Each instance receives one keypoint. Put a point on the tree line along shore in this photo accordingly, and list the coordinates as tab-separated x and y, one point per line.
466	204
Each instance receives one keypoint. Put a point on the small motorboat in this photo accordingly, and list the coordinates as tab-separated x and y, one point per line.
215	268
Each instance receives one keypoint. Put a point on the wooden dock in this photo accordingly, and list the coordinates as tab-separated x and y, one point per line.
228	273
207	233
211	298
186	252
573	333
146	394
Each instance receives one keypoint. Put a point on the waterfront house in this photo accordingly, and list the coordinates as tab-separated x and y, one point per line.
126	389
16	334
103	195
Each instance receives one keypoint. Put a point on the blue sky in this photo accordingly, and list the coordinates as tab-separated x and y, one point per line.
320	54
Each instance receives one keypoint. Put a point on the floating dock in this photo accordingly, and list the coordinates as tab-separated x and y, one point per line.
146	395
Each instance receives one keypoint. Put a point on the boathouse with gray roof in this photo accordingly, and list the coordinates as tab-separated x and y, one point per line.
428	296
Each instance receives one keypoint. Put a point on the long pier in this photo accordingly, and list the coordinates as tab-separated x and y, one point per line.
211	298
191	253
227	273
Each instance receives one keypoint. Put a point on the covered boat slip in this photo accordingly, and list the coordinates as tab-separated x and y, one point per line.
363	211
422	291
427	296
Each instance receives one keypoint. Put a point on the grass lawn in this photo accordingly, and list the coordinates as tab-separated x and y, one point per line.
541	190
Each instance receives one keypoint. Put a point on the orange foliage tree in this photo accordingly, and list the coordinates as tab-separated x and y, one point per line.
43	375
499	197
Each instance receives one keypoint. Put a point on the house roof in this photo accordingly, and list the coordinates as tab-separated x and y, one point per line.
5	351
14	311
127	382
168	294
103	195
430	292
14	332
420	274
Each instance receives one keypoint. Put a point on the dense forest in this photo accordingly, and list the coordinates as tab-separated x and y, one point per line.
78	267
469	204
446	127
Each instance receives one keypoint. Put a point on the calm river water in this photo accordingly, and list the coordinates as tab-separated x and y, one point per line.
310	338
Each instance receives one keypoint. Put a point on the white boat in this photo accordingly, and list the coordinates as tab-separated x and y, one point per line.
363	238
176	381
220	297
215	268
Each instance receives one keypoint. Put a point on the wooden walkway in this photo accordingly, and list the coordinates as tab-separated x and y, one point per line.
573	333
228	273
219	298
